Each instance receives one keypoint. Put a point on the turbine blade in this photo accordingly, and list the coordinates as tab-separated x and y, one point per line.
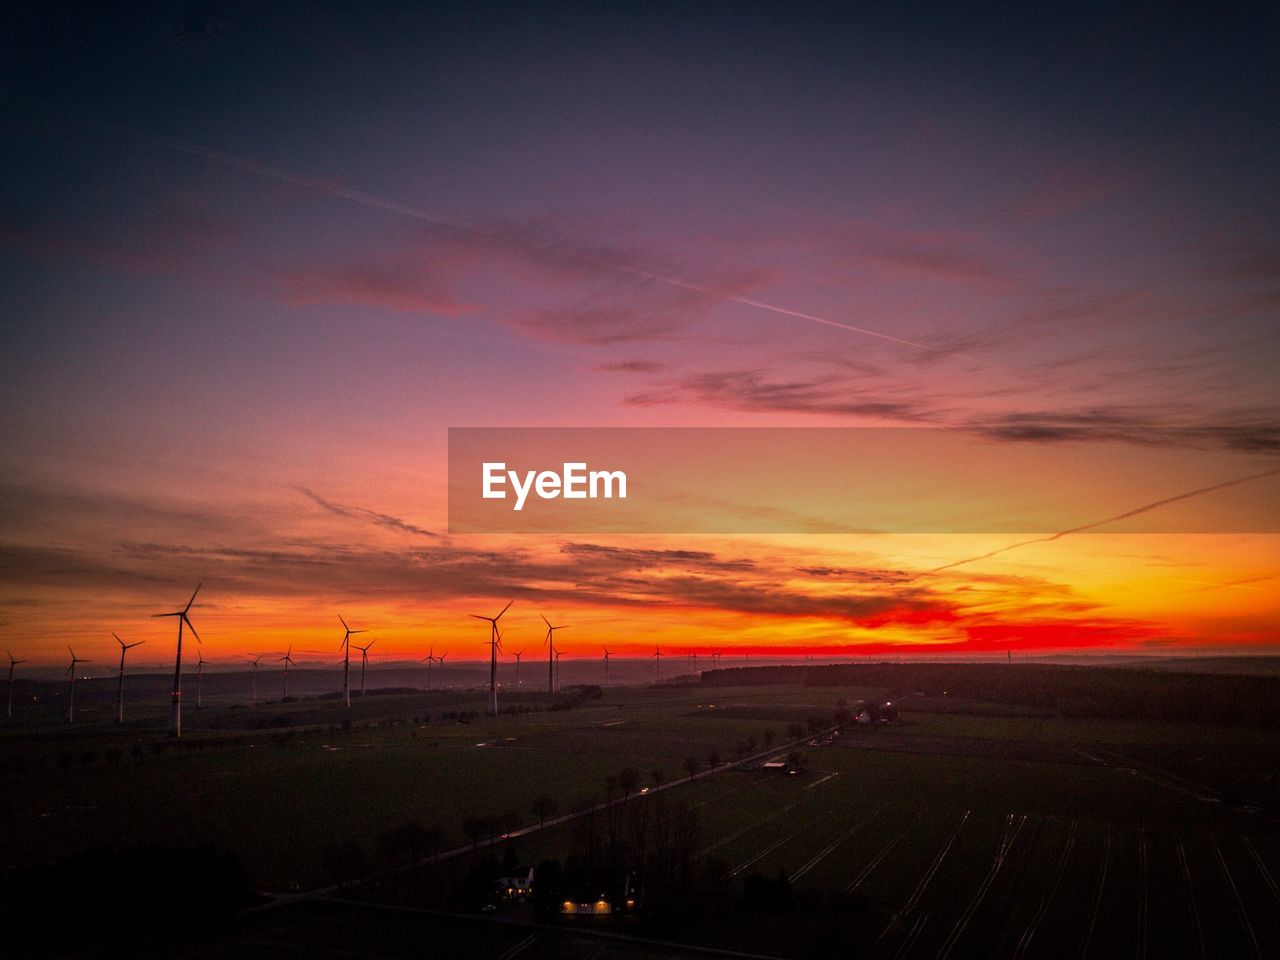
187	621
504	610
193	597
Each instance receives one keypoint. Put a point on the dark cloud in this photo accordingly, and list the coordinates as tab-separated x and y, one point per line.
632	366
362	513
752	390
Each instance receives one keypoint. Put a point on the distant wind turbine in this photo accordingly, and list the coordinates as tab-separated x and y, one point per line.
345	647
428	660
286	660
557	669
657	663
253	688
124	648
549	643
494	642
518	654
607	655
364	662
71	685
12	663
200	681
175	715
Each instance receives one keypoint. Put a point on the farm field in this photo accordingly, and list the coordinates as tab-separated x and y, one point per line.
941	836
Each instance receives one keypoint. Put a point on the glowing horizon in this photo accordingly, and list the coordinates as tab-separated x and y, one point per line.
242	325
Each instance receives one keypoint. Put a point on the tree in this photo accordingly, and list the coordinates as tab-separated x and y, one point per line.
691	764
542	808
408	841
345	861
547	882
768	738
432	838
656	776
713	758
628	779
474	827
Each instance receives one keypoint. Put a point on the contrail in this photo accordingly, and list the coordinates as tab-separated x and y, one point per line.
773	308
1146	508
318	185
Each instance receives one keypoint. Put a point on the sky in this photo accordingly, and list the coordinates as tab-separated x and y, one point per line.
255	262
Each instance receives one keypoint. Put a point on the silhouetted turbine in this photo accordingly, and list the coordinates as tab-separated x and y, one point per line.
549	643
286	659
364	661
345	647
175	714
124	648
71	685
494	641
12	663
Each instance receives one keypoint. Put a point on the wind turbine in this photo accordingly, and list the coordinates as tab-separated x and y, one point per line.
286	659
253	688
551	653
518	654
440	660
345	647
607	655
428	660
71	685
124	648
693	658
364	661
494	641
657	663
557	669
12	663
200	681
175	717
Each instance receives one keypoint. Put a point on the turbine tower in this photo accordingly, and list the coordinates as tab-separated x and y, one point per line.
286	660
71	685
364	661
549	643
124	648
494	641
428	660
607	655
657	663
200	681
518	654
345	647
557	669
175	713
12	663
253	684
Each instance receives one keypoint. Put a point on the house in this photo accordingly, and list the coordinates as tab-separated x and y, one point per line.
517	886
624	897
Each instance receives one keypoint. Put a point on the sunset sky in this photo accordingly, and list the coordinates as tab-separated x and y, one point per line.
254	264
